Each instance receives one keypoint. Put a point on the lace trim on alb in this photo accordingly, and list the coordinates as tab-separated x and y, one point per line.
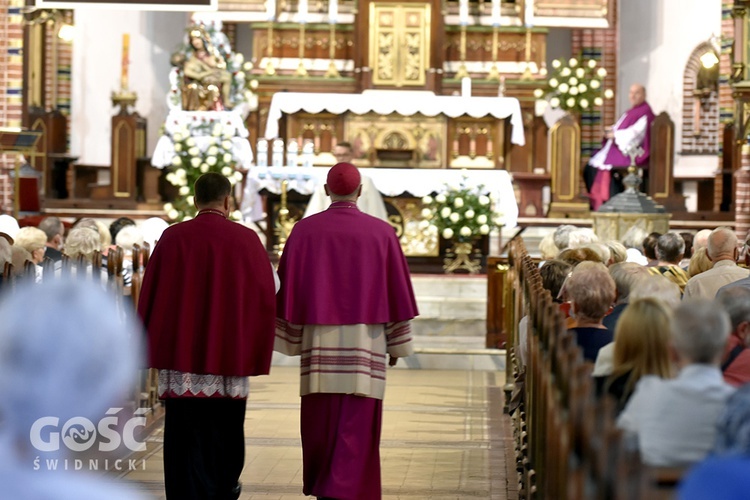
175	384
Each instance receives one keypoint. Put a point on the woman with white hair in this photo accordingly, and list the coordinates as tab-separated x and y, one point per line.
65	354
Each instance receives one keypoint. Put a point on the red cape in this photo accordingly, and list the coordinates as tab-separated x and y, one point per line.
208	301
344	267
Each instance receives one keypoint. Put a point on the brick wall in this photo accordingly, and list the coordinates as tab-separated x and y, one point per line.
11	79
601	45
702	136
726	103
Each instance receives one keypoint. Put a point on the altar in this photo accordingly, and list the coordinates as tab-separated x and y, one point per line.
389	128
402	191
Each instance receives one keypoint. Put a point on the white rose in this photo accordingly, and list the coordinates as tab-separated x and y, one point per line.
564	88
440	198
554	102
454	217
582	87
172	179
598	101
184	191
248	66
178	147
226	171
239	58
565	72
484	200
556	63
180	173
601	72
538	93
168	207
573	90
469	214
553	82
571	102
236	215
190	142
427	200
458	202
573	62
204	168
194	151
195	162
176	161
580	72
484	229
584	103
217	131
445	212
608	94
592	63
423	224
465	231
482	219
211	160
426	213
227	145
173	214
594	84
573	81
253	84
227	157
212	151
238	175
177	137
190	199
447	233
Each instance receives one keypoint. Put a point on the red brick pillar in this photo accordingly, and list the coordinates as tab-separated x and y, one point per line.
726	103
742	193
11	83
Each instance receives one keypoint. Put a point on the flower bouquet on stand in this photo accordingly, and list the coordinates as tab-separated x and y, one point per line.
464	218
191	160
575	86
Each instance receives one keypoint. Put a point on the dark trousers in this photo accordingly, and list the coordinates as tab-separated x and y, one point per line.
204	448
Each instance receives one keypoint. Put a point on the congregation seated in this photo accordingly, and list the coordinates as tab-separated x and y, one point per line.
723	252
105	240
699	263
117	225
590	291
632	240
725	473
641	348
670	248
54	228
673	421
735	363
34	241
688	239
127	238
83	242
649	248
625	275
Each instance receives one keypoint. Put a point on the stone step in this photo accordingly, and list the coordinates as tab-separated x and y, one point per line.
452	308
451	286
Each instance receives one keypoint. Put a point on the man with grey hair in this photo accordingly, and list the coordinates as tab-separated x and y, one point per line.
561	237
55	231
735	363
670	247
674	421
722	250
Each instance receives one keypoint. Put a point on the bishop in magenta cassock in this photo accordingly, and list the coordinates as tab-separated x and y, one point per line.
208	304
632	130
345	304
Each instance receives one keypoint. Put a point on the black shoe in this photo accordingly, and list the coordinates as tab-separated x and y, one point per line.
237	490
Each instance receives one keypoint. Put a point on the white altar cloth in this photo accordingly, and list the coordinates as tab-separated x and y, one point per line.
403	102
388	181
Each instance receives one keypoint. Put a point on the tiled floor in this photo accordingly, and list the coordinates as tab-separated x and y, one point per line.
444	437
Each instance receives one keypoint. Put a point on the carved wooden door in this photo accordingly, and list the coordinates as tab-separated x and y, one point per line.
399	44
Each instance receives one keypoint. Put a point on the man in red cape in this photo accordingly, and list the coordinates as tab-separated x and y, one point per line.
345	303
208	304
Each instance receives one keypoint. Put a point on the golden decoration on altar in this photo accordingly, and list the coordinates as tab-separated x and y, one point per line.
462	259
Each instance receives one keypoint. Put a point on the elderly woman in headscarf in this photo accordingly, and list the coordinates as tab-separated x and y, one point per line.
65	356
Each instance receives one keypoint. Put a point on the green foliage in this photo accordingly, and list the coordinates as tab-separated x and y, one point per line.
461	214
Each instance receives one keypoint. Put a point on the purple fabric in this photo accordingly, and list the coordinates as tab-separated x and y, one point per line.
341	446
344	267
615	157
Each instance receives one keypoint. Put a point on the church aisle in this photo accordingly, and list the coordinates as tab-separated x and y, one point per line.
444	437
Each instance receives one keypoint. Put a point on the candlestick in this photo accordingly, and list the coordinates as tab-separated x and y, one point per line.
270	70
125	61
332	71
301	71
462	72
527	71
333	11
494	74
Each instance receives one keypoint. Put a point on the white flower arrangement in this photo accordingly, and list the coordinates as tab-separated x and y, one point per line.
460	213
577	86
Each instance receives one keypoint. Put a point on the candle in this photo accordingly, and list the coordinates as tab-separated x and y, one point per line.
270	10
496	12
125	61
466	86
302	12
333	10
528	16
463	12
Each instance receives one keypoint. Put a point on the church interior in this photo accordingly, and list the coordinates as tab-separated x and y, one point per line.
112	110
